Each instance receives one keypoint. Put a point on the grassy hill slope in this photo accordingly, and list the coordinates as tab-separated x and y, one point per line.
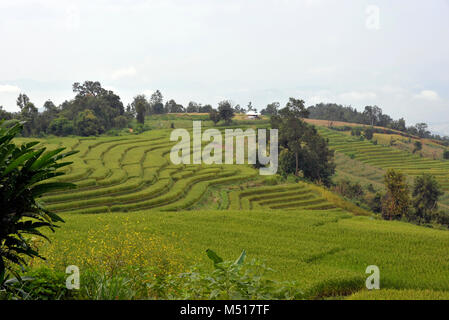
327	252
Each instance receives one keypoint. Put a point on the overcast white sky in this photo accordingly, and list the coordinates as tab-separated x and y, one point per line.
209	50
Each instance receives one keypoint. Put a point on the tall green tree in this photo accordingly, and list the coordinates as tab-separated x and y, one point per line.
426	192
226	112
250	107
28	114
304	149
193	107
156	103
104	104
396	202
87	124
271	109
214	116
140	104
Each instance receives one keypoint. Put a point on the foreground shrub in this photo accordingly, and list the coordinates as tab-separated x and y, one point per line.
42	284
23	174
228	280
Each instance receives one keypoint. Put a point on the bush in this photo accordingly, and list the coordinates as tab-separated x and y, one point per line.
446	155
441	217
227	281
140	128
349	190
374	202
369	134
43	284
272	180
356	131
418	146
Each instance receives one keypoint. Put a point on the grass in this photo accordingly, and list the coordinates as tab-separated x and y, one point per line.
365	162
327	252
134	208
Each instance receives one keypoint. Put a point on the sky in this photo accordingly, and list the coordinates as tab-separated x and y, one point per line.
389	53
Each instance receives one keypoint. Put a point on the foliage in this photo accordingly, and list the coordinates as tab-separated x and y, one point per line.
356	131
322	249
418	146
225	111
307	151
446	154
23	174
426	192
396	202
229	280
141	105
61	127
369	133
271	109
63	120
214	116
349	190
88	124
43	284
372	115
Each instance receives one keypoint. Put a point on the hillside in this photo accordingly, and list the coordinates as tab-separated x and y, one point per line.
304	232
325	251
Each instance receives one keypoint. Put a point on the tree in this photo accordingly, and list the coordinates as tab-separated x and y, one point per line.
87	124
446	154
369	133
250	107
396	202
50	107
205	109
88	88
28	114
226	112
422	130
5	115
304	149
292	128
156	105
426	192
140	104
172	107
418	146
214	116
23	174
271	109
193	107
130	111
157	108
399	125
372	114
120	122
104	104
239	109
61	127
156	98
22	101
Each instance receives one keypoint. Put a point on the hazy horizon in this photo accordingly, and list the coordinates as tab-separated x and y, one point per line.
259	51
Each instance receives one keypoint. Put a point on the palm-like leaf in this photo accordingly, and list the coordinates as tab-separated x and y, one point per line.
24	171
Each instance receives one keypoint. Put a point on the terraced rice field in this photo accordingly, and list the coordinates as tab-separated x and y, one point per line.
385	157
301	230
134	173
292	196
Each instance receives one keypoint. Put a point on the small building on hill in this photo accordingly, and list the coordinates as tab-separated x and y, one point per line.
252	115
